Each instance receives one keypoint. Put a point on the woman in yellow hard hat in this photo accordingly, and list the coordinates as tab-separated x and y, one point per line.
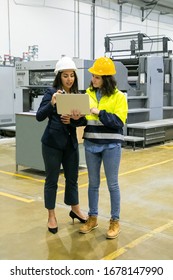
103	136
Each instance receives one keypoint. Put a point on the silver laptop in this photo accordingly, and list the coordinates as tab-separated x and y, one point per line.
65	103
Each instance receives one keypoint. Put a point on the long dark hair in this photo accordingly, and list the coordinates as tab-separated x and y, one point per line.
108	87
57	84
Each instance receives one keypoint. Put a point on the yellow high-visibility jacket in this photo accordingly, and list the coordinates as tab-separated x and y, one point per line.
107	127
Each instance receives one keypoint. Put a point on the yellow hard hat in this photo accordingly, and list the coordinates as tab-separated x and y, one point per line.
103	66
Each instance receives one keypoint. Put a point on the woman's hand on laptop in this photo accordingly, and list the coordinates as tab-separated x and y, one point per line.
53	100
95	111
76	114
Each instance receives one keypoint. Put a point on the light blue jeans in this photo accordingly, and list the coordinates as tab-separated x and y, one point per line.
111	161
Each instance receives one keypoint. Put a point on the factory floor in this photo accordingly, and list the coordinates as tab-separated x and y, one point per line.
146	183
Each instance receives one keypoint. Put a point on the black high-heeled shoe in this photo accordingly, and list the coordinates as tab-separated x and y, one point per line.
75	216
53	230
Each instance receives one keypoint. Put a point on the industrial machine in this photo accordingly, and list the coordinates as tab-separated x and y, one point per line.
10	97
148	82
168	88
146	60
135	44
7	95
34	76
142	80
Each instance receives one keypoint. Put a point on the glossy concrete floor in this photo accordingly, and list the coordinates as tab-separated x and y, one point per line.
146	183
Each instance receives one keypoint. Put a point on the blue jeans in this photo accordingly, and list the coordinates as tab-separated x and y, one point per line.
111	161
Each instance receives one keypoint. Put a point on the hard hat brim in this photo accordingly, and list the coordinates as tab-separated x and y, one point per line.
100	73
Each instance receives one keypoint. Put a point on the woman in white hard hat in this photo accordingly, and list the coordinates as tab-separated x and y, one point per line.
102	140
60	145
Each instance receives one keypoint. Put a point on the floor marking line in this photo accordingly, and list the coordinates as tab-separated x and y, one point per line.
141	168
83	185
166	147
25	177
146	167
137	241
16	197
22	176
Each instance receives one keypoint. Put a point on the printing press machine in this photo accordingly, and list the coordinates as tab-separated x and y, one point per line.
148	83
168	88
33	77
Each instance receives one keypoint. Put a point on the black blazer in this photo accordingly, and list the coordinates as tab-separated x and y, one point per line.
56	133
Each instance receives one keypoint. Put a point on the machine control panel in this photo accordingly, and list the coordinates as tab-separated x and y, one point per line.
35	73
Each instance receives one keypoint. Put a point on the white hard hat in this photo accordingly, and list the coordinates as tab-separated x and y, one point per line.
64	63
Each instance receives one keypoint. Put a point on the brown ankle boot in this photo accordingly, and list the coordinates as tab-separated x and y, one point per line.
89	225
114	229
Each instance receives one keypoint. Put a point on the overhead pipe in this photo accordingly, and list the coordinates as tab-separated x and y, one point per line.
76	30
121	2
93	30
165	7
9	33
120	14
